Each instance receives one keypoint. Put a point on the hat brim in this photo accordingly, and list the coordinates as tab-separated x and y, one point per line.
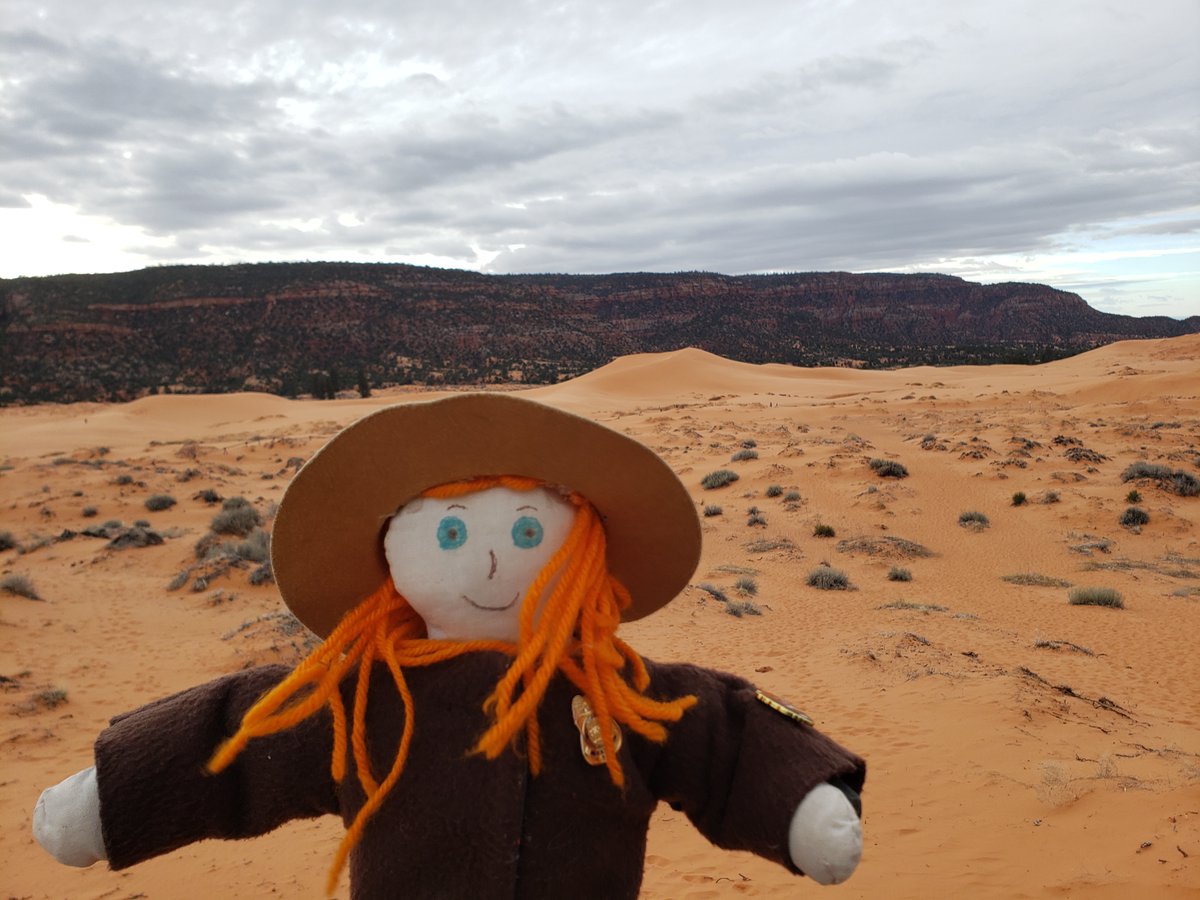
327	550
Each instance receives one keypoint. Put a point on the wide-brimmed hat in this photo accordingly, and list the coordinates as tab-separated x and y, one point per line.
327	547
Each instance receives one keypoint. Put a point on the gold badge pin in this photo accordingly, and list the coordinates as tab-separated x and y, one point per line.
782	707
591	742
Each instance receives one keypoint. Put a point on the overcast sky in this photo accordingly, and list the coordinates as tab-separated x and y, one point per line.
1054	141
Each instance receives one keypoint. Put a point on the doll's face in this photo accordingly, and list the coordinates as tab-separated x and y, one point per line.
465	563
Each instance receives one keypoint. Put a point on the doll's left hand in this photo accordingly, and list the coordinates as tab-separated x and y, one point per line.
825	836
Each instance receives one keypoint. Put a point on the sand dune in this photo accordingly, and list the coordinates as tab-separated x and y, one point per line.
1019	746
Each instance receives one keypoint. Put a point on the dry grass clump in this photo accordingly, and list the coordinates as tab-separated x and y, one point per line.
827	578
899	573
712	510
888	468
756	519
1019	498
1050	497
823	531
19	586
1133	497
915	607
792	497
774	490
739	608
743	455
713	591
50	697
1034	579
1045	644
766	545
974	520
7	541
718	479
1096	596
747	587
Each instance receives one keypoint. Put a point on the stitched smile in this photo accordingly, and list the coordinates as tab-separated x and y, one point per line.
508	605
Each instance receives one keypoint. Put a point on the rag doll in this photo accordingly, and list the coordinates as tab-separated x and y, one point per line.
472	714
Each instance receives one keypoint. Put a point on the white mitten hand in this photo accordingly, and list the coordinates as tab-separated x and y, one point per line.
825	837
66	820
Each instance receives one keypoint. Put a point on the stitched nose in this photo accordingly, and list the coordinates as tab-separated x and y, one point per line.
492	573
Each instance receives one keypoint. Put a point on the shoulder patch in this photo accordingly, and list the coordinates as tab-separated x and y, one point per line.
782	707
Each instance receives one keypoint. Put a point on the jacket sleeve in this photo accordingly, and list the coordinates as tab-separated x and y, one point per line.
737	767
156	795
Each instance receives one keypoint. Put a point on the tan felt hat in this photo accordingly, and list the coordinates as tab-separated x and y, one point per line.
327	546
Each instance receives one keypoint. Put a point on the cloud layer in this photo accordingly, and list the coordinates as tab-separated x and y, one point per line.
758	136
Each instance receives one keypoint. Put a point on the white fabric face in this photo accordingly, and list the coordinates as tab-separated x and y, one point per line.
465	563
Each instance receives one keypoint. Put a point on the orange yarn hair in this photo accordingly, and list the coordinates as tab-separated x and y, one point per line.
575	634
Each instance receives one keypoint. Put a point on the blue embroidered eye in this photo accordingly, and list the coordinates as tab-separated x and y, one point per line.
452	533
527	532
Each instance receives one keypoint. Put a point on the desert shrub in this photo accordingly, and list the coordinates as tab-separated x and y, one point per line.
823	531
711	510
237	516
739	608
262	575
792	497
899	573
756	519
718	479
1134	516
7	541
774	490
256	547
888	468
1180	482
19	586
742	455
1050	497
973	519
123	479
136	536
1133	497
1019	498
1143	469
180	579
747	586
88	512
158	502
749	443
1185	484
208	495
827	578
1096	596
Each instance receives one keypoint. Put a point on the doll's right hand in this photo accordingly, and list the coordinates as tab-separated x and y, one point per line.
66	820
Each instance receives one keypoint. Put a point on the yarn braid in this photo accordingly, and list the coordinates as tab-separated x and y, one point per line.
574	634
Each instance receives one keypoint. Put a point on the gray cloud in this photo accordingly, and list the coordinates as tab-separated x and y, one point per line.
606	137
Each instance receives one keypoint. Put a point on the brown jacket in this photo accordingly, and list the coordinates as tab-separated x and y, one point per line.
458	825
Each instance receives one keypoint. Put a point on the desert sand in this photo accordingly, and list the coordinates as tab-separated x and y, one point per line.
1018	745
